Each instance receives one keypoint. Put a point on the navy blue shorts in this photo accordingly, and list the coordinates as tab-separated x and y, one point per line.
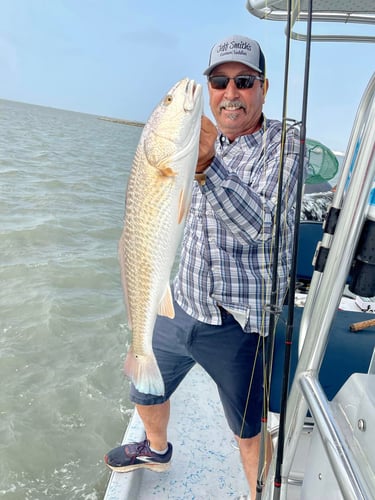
225	352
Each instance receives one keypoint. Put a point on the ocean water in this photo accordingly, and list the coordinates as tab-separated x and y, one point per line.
63	332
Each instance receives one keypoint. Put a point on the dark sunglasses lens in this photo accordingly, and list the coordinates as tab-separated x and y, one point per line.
244	82
219	82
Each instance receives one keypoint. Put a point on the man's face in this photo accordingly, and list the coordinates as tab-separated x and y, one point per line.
237	111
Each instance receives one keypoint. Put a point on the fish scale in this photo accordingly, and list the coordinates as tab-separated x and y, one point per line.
157	200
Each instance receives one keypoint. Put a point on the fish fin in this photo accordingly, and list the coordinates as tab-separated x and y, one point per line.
167	171
182	206
144	373
166	304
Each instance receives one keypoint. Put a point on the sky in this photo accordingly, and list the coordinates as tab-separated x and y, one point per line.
118	58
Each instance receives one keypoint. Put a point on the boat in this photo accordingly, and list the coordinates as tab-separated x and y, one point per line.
322	385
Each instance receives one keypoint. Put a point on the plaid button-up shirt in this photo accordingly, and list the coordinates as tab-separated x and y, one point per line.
226	253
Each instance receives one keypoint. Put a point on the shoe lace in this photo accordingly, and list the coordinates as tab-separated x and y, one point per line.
143	448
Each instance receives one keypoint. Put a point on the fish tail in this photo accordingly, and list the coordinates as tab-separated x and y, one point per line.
144	373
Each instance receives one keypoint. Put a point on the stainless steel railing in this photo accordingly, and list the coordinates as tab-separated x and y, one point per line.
325	293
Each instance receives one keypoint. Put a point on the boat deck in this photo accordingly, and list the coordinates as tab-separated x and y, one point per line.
206	463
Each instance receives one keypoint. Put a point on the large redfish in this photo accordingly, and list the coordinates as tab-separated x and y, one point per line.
157	200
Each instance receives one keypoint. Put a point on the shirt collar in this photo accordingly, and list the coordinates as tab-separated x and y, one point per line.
257	136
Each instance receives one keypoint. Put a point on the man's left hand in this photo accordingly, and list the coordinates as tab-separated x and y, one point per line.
206	144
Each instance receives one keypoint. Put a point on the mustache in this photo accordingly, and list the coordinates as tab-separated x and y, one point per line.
232	104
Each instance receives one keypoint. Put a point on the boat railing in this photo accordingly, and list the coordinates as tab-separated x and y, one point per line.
349	476
364	115
351	205
272	10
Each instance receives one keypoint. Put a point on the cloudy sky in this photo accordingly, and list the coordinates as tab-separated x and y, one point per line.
118	57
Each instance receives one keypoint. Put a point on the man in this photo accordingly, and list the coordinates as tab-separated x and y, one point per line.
223	282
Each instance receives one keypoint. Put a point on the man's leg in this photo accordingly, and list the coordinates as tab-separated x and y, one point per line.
249	450
155	420
153	453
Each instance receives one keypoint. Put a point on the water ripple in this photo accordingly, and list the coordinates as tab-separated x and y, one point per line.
63	324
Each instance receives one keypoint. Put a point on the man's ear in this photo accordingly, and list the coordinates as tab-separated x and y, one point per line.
265	86
265	89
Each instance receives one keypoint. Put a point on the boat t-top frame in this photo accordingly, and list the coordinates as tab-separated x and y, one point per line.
332	11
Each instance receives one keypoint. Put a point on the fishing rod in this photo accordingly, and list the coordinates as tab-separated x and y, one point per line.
293	272
273	308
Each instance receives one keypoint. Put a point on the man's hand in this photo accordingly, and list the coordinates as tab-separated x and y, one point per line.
206	144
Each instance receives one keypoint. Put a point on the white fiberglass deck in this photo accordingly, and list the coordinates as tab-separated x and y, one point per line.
205	464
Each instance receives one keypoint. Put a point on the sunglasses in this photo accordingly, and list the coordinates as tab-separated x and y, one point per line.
241	82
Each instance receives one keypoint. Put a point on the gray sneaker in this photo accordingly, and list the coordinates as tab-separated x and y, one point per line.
133	456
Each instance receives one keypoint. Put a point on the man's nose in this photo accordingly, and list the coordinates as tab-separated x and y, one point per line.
231	91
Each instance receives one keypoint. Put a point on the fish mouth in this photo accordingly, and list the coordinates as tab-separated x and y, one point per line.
192	92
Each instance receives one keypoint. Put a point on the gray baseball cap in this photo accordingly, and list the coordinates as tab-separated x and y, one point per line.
237	48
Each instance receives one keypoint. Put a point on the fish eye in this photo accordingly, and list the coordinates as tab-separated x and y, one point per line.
168	99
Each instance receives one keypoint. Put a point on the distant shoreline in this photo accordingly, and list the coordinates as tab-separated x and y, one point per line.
123	122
